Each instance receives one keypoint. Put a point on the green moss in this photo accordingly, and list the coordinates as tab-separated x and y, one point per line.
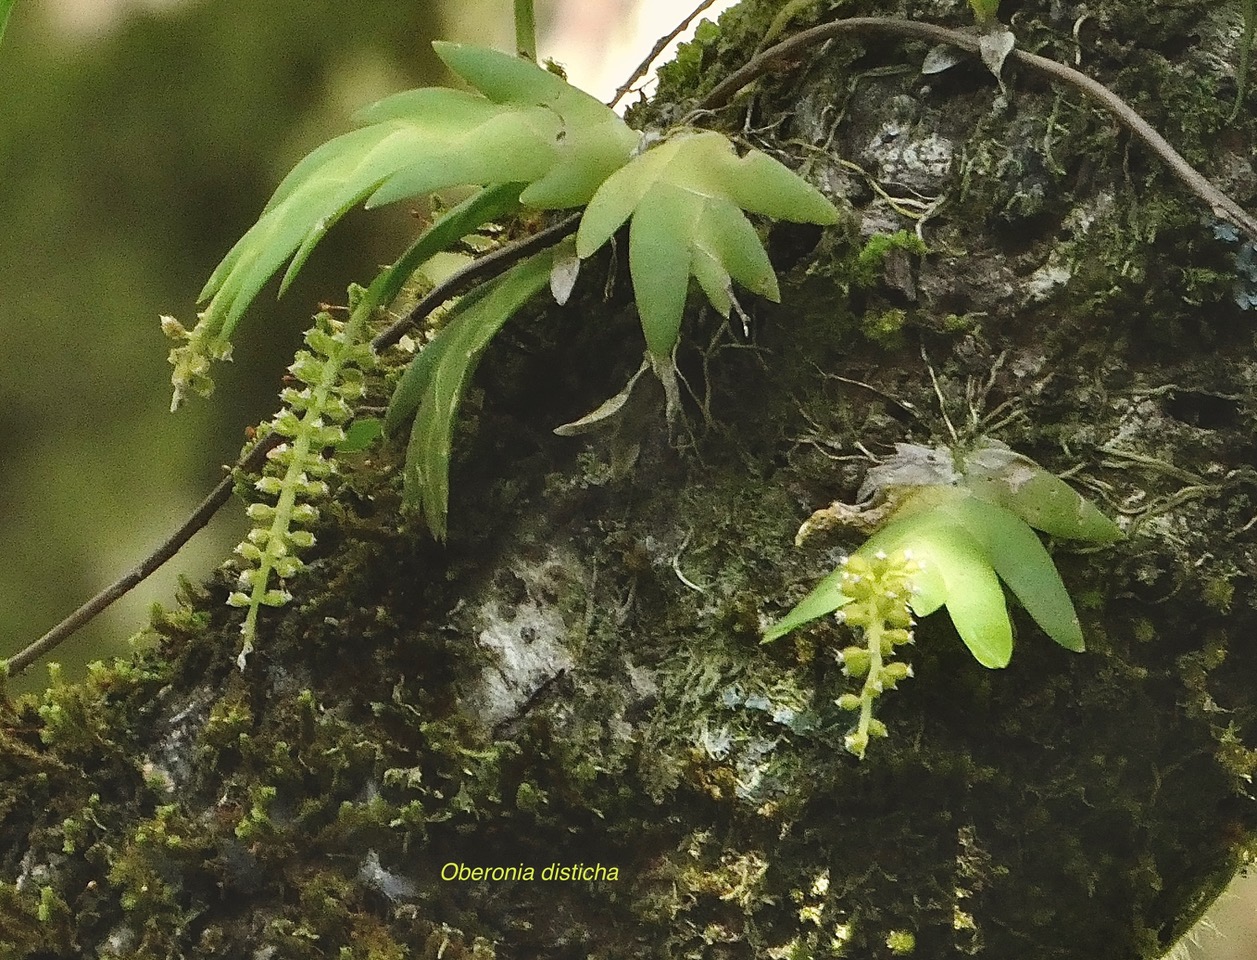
1219	592
901	943
867	269
686	69
256	823
886	328
24	933
960	322
228	728
68	715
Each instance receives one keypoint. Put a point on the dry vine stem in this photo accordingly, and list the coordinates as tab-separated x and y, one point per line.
1221	205
657	49
491	264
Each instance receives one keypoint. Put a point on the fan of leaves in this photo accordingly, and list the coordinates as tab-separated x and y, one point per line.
967	532
525	126
433	385
686	197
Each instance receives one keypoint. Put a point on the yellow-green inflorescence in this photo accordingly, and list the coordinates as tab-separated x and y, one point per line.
297	470
197	350
879	588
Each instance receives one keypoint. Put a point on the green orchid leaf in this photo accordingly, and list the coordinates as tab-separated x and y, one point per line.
659	262
825	597
1007	479
360	434
726	247
975	599
507	78
1007	543
451	138
486	143
759	184
967	520
482	207
452	360
1023	564
349	169
413	385
593	140
957	571
686	197
6	8
930	591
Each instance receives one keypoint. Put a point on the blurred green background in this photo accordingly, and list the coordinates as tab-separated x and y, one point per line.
137	142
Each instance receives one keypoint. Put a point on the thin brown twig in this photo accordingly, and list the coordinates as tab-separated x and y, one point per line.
658	48
488	265
169	547
1221	205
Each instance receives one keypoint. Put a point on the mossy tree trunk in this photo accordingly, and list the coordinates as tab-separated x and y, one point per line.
577	677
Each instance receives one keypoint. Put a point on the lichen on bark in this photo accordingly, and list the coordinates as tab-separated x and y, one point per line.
578	678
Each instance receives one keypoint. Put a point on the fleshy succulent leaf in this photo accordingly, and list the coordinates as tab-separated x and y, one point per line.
955	571
1001	476
825	597
413	385
659	261
592	141
506	78
684	197
967	521
451	360
454	224
975	599
1022	562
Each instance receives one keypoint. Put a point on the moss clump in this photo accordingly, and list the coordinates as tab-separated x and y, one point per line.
886	328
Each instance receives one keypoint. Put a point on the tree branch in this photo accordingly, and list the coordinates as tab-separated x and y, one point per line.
525	30
490	265
1221	205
